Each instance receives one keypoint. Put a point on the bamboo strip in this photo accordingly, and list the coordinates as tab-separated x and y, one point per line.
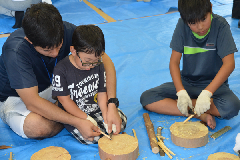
10	156
106	135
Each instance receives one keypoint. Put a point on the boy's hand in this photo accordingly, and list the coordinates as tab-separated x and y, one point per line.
183	102
203	102
114	128
113	118
88	130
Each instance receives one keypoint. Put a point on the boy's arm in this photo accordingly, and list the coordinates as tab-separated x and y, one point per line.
175	70
71	107
224	72
184	101
111	92
203	101
110	76
102	102
43	107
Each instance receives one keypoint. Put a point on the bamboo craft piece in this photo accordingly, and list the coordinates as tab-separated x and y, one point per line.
165	149
151	133
106	135
188	118
11	156
189	135
191	116
220	132
160	137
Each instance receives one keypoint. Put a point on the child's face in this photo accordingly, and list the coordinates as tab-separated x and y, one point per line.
201	27
86	61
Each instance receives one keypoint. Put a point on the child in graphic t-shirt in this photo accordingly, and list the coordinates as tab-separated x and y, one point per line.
79	82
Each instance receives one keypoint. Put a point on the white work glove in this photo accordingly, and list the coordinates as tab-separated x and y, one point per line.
91	120
114	128
203	102
237	145
183	102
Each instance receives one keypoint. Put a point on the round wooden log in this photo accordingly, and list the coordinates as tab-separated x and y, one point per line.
189	134
121	147
53	153
222	155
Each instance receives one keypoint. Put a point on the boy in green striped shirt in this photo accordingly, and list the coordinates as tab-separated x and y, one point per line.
204	41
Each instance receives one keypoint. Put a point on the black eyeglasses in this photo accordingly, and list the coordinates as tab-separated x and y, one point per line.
91	64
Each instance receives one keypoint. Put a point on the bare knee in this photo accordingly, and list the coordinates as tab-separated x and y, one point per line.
38	127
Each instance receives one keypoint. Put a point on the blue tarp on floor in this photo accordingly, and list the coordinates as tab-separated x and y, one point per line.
140	51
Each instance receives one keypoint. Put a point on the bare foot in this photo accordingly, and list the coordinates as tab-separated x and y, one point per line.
209	119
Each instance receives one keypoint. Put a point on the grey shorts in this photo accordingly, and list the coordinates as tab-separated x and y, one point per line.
224	99
13	111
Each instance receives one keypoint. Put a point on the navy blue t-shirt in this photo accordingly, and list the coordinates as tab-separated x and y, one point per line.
21	66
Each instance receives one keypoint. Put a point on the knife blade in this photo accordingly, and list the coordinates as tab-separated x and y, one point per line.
110	135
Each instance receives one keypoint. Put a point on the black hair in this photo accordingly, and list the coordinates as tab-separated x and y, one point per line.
193	11
89	39
43	25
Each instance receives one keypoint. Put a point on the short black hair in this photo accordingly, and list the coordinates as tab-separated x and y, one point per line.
193	11
89	39
43	25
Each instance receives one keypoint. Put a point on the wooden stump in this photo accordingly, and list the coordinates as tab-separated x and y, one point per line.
189	134
222	155
51	153
121	147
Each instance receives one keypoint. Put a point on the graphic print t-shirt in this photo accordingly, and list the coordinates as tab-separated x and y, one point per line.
81	85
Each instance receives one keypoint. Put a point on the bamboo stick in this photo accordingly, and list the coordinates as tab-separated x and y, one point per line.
134	133
164	149
10	156
106	135
189	117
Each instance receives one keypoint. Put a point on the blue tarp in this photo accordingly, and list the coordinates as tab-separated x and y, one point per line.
139	48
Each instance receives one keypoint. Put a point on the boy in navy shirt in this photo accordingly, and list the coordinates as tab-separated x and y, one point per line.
26	66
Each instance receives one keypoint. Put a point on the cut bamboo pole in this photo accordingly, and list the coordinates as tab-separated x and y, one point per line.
151	133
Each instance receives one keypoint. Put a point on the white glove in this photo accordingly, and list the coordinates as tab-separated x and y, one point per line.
237	145
183	102
203	102
114	128
91	120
